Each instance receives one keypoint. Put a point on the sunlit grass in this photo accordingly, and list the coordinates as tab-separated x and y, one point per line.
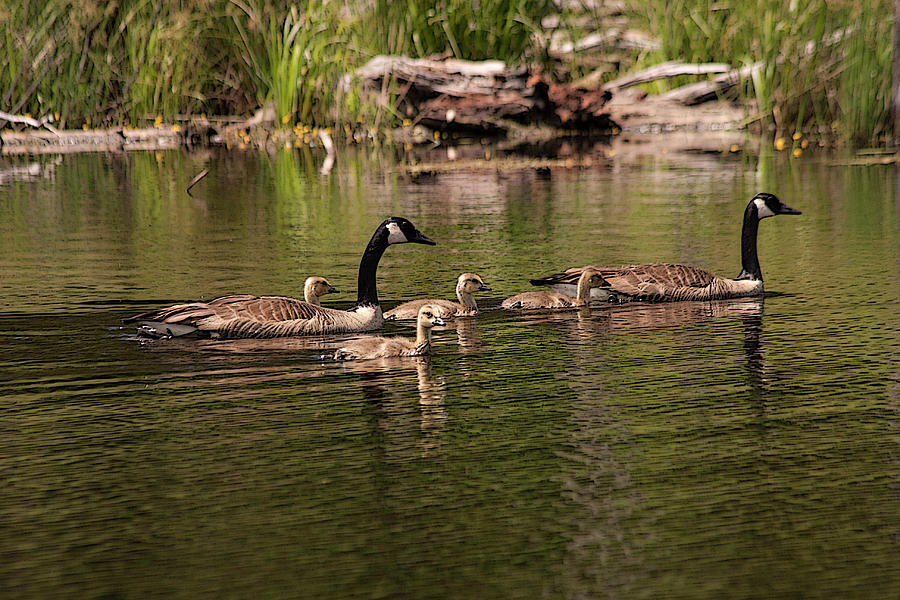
822	67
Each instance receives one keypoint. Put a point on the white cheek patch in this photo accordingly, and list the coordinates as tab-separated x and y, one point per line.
395	234
762	211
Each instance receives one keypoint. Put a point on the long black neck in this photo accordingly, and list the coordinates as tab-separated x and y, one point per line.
749	259
367	295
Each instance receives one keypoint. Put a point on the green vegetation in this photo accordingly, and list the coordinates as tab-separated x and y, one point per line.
821	65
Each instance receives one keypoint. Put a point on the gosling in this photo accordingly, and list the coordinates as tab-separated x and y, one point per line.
315	287
387	347
532	300
466	285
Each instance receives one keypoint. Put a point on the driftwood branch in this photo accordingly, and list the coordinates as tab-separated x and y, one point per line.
563	48
195	180
663	71
45	122
704	91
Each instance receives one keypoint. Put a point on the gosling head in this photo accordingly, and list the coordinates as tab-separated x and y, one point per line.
593	279
768	205
428	317
401	231
471	283
318	286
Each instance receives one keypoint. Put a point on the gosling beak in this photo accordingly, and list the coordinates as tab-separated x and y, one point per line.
421	238
484	288
784	209
332	290
439	321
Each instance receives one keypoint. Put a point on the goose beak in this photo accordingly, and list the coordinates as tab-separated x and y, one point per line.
421	238
332	290
439	321
784	209
484	288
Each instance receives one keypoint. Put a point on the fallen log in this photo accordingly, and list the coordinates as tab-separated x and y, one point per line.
472	97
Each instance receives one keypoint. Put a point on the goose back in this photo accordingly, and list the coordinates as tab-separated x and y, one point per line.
246	316
533	300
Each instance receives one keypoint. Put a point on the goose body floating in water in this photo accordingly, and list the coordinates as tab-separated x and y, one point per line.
466	285
248	316
588	279
387	347
656	282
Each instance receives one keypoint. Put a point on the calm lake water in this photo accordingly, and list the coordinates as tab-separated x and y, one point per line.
745	449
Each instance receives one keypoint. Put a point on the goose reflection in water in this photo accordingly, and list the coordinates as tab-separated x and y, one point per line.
748	310
587	325
382	381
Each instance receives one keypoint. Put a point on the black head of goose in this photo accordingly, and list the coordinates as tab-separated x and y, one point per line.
659	282
248	316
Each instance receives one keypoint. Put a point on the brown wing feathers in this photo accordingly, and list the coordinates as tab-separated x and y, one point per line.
651	282
246	308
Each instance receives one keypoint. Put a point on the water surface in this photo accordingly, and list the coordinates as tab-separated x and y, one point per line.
743	449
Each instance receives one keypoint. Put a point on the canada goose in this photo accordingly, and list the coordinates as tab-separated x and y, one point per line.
314	287
666	282
248	316
466	285
587	280
385	347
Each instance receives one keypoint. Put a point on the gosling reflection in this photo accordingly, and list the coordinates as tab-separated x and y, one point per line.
467	334
384	382
748	310
632	316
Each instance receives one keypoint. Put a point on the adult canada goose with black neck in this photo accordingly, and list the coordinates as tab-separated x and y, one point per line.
656	282
247	316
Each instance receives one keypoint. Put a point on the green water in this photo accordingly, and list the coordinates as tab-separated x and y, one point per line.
744	449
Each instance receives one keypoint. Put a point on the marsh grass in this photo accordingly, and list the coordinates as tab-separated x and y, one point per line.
823	66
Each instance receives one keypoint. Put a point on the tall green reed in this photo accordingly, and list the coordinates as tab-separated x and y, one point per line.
102	63
490	29
820	64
